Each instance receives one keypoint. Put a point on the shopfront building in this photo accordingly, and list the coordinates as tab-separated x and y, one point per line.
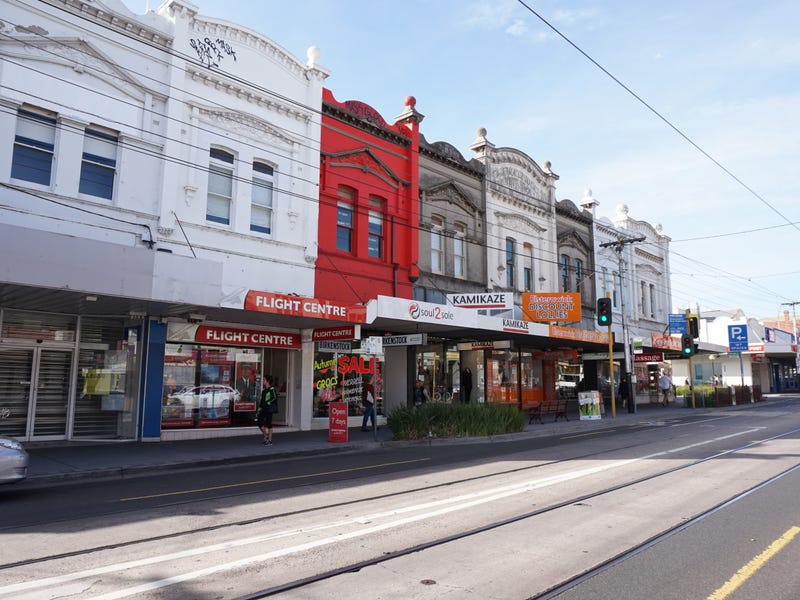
68	377
213	375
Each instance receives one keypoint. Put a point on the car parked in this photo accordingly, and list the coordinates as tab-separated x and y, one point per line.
13	461
209	401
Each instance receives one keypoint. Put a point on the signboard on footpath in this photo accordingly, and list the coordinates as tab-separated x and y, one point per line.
337	422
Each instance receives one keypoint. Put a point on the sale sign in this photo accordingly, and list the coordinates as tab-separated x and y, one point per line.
337	422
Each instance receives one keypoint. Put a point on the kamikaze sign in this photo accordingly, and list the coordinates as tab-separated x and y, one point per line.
482	301
564	306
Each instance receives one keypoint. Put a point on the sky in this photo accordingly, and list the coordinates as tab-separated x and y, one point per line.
686	111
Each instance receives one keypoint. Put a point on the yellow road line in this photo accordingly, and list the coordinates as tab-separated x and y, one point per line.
274	479
754	565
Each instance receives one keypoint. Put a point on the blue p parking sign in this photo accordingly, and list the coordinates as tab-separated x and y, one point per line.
737	338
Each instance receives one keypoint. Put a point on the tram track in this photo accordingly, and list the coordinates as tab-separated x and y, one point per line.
443	540
552	592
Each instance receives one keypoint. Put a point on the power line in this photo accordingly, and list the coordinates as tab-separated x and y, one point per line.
660	116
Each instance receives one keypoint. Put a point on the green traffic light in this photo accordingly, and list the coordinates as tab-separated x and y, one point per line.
603	319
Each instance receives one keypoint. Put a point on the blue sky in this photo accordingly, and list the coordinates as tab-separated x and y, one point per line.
725	73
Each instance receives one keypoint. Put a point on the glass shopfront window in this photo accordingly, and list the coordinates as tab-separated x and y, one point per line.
341	377
531	372
212	386
502	376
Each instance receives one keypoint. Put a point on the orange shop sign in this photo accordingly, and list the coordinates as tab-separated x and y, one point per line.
299	306
544	307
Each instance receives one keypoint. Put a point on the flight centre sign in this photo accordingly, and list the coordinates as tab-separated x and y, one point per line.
559	306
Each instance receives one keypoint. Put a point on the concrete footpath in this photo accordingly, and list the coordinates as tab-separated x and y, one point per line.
64	462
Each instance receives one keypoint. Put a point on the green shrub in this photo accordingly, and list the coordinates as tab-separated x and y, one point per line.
440	420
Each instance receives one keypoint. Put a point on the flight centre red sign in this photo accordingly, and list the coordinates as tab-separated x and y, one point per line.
298	306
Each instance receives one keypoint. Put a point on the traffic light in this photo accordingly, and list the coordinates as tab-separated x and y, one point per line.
694	327
687	345
604	311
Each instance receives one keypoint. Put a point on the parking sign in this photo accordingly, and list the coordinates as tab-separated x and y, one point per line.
737	338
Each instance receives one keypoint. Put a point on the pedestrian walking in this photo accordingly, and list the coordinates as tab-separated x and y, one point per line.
421	395
368	400
267	408
624	388
466	385
665	385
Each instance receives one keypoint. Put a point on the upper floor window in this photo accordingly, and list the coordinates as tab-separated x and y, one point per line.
510	262
644	298
99	163
527	269
578	274
652	301
261	198
34	146
565	287
459	251
220	187
437	247
605	282
344	220
375	235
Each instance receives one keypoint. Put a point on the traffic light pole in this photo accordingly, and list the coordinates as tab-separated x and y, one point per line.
618	245
691	364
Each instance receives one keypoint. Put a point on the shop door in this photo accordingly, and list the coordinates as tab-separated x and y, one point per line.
34	392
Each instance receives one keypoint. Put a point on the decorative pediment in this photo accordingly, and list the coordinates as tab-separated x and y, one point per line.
80	57
451	193
366	161
572	239
245	125
519	223
648	269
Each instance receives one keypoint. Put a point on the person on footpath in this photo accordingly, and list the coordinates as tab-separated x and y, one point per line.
665	385
421	395
368	400
267	407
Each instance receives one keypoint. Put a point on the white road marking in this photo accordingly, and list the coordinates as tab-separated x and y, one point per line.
434	508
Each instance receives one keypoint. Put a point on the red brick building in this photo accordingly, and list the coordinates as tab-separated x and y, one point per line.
368	202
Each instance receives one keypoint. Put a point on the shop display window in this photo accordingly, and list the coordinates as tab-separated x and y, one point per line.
206	386
502	377
341	377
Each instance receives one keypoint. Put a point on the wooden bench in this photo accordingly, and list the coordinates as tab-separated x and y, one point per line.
554	406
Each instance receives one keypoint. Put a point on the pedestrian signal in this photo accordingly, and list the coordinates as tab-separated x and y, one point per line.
687	344
604	311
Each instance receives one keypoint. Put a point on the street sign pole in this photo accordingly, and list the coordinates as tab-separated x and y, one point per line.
691	365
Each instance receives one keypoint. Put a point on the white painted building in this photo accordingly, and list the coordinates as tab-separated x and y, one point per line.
149	166
520	220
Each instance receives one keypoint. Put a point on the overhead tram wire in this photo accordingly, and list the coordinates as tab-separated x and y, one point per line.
661	117
553	261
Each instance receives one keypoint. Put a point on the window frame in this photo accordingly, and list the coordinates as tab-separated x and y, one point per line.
376	234
460	251
219	166
510	262
98	173
565	285
263	179
437	244
33	151
345	202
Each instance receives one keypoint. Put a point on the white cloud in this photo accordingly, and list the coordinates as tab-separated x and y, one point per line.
517	28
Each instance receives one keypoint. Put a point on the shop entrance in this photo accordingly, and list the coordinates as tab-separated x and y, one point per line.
34	392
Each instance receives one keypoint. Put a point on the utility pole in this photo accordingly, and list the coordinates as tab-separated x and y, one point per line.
796	339
618	245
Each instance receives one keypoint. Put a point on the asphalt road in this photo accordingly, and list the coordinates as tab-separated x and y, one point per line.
506	520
